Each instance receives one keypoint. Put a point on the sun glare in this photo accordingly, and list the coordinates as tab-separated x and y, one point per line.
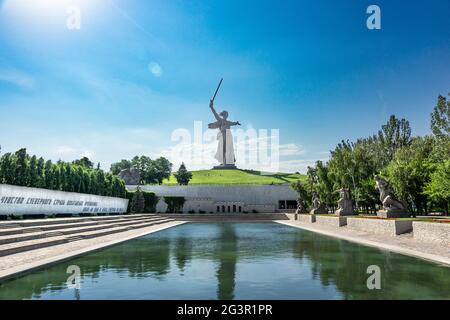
35	15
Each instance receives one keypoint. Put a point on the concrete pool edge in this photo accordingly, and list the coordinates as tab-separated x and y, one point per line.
372	243
28	267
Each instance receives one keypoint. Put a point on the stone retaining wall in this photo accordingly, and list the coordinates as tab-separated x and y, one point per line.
379	226
308	218
438	233
331	221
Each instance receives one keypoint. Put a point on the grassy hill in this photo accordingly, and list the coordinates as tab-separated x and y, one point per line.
237	177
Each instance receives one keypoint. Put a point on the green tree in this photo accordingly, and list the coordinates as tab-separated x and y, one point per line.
440	117
109	184
7	169
146	168
410	170
84	162
49	175
69	181
93	183
119	166
312	179
182	175
438	188
394	135
101	186
21	172
163	169
303	193
138	202
40	183
325	184
32	172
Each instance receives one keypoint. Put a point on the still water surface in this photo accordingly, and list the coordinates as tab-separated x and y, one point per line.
235	261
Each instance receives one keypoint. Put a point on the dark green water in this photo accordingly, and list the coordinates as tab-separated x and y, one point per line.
235	261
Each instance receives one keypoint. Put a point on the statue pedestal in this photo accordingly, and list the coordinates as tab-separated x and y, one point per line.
320	210
393	214
225	167
342	212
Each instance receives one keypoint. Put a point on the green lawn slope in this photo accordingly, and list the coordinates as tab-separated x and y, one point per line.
237	177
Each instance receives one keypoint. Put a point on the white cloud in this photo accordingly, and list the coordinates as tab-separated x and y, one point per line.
65	150
298	165
253	153
99	145
291	149
17	78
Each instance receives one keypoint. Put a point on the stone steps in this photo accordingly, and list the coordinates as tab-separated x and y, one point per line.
48	239
53	221
218	217
65	225
70	229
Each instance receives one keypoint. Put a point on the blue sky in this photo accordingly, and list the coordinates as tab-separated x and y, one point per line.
138	70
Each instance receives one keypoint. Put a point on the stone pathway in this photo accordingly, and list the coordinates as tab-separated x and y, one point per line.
25	261
404	244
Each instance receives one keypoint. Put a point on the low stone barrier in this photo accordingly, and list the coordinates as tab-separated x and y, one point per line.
380	226
331	221
307	218
435	232
291	216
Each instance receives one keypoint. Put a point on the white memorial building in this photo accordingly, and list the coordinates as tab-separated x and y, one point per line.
226	198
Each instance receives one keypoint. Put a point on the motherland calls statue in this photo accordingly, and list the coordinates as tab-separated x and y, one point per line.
393	208
225	149
317	205
345	206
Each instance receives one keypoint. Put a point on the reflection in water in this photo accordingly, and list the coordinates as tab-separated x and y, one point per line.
227	258
182	251
77	294
235	261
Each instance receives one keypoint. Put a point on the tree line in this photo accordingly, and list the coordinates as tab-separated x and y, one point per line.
418	168
21	169
151	171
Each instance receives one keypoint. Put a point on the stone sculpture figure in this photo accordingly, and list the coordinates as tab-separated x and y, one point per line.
300	207
345	206
317	205
131	176
393	208
225	149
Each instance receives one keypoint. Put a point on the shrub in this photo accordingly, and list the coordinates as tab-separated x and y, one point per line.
150	202
174	204
138	202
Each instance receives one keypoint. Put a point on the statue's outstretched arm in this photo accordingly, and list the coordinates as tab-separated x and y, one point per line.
235	123
211	105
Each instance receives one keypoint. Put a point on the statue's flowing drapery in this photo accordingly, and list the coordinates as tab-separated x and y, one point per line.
229	149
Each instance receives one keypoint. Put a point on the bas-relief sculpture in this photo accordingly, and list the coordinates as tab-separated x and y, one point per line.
345	206
392	207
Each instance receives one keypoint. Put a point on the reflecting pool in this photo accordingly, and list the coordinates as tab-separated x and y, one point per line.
236	261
